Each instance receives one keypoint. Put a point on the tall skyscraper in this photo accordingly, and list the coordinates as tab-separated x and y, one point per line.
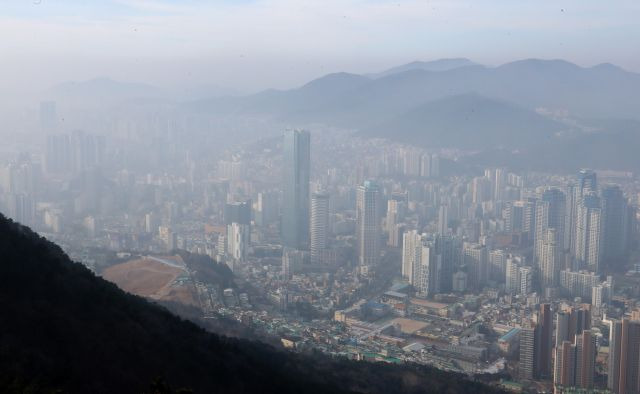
615	237
586	184
449	247
430	265
615	342
550	214
550	258
575	362
557	209
588	237
585	359
565	365
238	240
319	231
295	202
587	181
411	244
396	207
545	345
368	224
624	357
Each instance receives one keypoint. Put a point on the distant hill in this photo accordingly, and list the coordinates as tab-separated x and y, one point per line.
468	121
349	100
65	330
435	65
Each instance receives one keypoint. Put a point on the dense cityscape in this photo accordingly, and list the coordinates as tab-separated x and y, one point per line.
330	196
358	247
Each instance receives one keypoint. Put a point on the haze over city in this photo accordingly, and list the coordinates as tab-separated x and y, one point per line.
358	196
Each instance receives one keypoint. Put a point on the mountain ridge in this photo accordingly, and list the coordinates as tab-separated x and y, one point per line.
65	330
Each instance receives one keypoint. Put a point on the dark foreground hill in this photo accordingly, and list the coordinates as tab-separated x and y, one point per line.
62	329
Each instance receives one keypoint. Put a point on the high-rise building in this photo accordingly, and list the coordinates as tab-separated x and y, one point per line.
480	190
430	265
615	237
575	362
575	348
411	249
237	212
499	183
545	346
449	247
550	214
550	258
528	365
587	181
396	207
562	328
295	202
588	237
586	184
237	218
512	276
579	321
578	284
565	365
319	231
497	265
526	280
443	220
368	224
238	240
615	342
476	259
585	359
624	357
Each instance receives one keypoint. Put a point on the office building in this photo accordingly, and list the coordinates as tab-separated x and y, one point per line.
295	201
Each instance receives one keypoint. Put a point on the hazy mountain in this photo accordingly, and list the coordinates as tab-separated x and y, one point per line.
349	100
66	330
468	121
435	65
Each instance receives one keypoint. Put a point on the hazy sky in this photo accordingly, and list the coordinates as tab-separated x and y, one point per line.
251	45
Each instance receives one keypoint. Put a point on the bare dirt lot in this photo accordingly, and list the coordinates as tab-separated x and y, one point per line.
151	278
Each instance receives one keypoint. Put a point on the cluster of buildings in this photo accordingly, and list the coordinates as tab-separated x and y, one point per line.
529	274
